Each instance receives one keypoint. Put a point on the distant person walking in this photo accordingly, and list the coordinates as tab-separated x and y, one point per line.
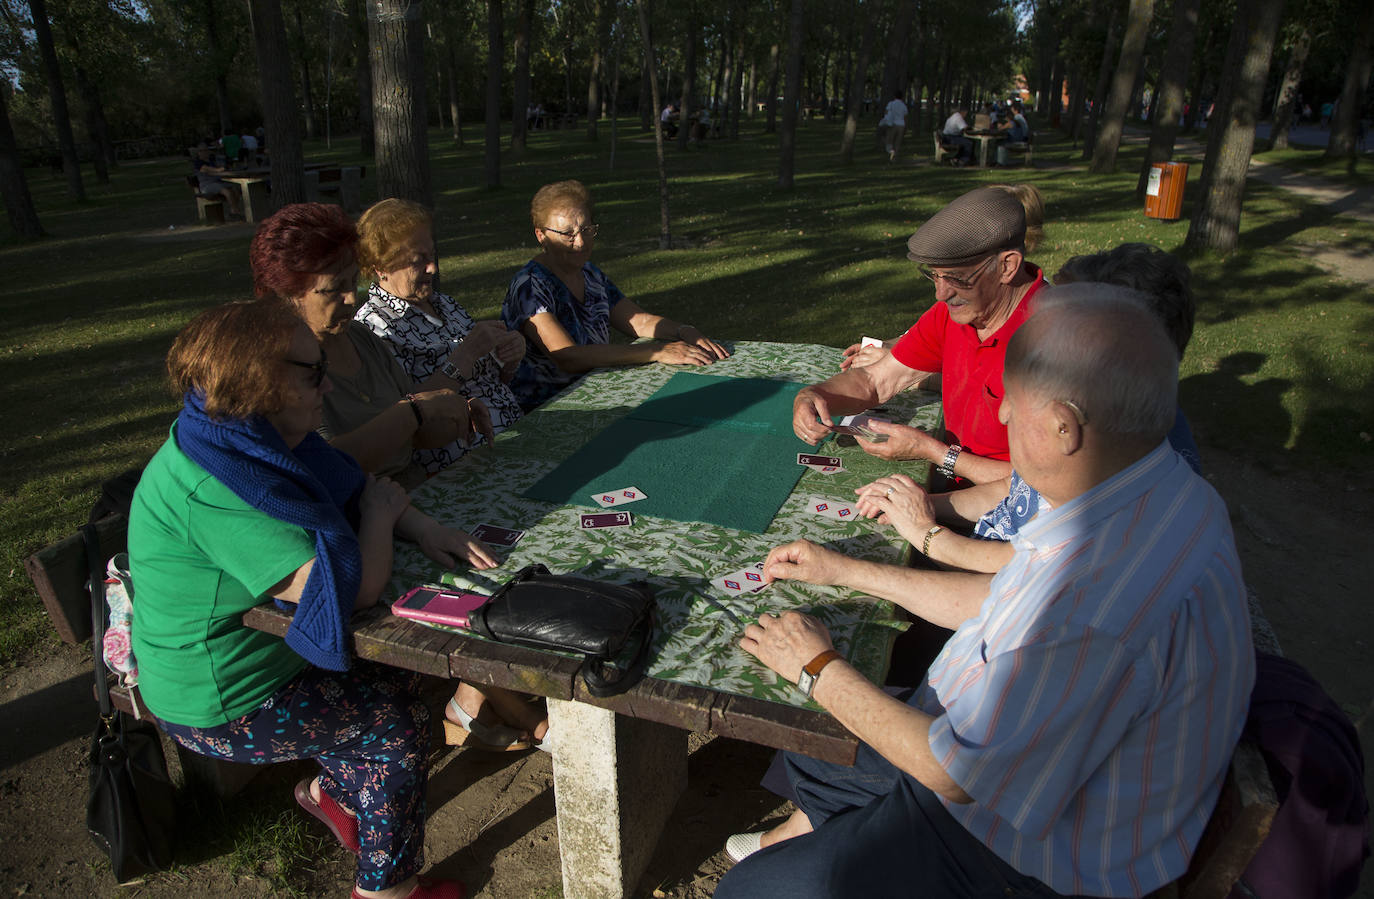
894	125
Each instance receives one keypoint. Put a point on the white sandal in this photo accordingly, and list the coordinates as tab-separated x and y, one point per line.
742	845
471	732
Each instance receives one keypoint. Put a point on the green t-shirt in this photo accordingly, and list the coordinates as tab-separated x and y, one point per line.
200	557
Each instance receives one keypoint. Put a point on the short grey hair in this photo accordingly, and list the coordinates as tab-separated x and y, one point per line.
1100	347
1165	279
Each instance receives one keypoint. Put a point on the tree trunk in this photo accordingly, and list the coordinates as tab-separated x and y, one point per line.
281	120
856	90
689	78
787	140
1345	123
736	87
665	239
1168	104
1047	50
57	96
367	134
898	41
717	97
396	33
519	113
303	60
1107	137
1231	133
1076	87
95	125
1287	96
770	124
751	90
647	116
220	66
495	50
597	60
14	189
455	112
1104	74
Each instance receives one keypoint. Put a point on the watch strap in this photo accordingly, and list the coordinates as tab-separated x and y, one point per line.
812	670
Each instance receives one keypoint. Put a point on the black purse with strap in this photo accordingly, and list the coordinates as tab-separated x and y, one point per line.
603	623
131	804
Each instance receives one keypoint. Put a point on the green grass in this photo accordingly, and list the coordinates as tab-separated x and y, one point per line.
1280	364
1313	161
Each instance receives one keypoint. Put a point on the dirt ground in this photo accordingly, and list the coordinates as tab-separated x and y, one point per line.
492	817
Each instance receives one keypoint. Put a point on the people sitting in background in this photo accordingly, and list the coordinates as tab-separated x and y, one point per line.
305	254
667	120
429	333
1016	129
232	145
1034	205
998	511
248	150
974	252
246	502
209	184
565	306
952	135
1073	736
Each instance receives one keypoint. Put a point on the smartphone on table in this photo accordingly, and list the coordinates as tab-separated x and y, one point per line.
439	606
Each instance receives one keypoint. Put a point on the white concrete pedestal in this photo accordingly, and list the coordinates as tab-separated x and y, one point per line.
616	780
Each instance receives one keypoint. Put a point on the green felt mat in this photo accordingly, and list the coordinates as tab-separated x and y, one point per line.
710	449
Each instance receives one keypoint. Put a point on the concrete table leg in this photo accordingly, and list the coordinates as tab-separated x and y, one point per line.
615	782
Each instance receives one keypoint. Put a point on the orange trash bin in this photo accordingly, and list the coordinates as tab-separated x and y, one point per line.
1164	190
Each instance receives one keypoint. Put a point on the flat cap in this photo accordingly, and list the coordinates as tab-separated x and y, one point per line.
971	227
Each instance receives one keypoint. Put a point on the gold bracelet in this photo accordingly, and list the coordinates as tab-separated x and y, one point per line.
925	546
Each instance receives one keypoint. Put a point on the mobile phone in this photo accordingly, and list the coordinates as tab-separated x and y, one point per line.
439	606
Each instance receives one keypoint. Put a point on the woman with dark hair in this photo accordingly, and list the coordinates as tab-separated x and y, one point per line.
306	254
246	501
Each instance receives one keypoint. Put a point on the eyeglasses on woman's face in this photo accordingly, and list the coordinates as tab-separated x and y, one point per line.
586	232
320	368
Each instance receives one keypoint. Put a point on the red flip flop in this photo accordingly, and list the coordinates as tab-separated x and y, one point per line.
341	824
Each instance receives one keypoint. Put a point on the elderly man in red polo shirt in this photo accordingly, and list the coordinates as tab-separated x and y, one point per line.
973	251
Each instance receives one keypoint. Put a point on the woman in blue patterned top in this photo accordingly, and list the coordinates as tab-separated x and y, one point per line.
565	306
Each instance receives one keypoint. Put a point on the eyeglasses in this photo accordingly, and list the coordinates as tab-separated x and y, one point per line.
963	283
320	368
586	231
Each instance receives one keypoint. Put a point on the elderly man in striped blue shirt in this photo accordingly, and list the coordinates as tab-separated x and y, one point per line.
1073	735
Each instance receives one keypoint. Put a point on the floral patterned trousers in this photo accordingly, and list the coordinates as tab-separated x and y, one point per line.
369	731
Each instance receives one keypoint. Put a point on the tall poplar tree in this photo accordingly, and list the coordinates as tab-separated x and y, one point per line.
395	30
281	119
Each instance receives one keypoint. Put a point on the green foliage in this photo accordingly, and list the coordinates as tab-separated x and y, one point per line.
1280	364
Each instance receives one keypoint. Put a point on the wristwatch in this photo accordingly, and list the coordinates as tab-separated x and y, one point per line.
450	370
807	682
951	456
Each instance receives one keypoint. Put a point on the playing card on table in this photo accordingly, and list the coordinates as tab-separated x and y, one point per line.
619	497
827	469
593	520
829	507
870	341
492	535
808	459
745	580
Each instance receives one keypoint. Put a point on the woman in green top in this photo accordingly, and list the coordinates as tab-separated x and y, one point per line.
246	501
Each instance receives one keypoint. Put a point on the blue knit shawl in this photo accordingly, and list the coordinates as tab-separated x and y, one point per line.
313	486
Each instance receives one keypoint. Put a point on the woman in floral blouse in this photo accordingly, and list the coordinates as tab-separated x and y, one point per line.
430	334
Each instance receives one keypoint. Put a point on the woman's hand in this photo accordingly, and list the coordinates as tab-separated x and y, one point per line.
479	419
903	443
383	500
449	545
679	352
510	348
901	502
445	413
690	335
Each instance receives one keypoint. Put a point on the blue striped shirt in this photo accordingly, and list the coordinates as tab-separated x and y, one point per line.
1092	706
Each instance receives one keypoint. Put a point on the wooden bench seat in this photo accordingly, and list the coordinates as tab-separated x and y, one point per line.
59	573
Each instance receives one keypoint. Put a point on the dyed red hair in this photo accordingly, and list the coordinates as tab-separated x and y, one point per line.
296	243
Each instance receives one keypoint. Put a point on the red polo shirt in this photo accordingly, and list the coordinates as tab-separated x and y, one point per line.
971	371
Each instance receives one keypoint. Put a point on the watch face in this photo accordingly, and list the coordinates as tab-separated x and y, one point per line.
806	682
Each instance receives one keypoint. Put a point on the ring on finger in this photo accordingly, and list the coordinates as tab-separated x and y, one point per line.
890	491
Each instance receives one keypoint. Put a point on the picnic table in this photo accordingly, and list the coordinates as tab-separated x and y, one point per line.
254	184
985	140
620	762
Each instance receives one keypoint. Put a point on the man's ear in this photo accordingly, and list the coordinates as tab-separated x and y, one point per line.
1010	264
1068	429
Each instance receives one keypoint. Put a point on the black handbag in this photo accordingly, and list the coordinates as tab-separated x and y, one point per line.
603	623
131	805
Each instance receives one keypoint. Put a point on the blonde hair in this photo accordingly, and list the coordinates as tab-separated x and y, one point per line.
383	231
1034	204
551	198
